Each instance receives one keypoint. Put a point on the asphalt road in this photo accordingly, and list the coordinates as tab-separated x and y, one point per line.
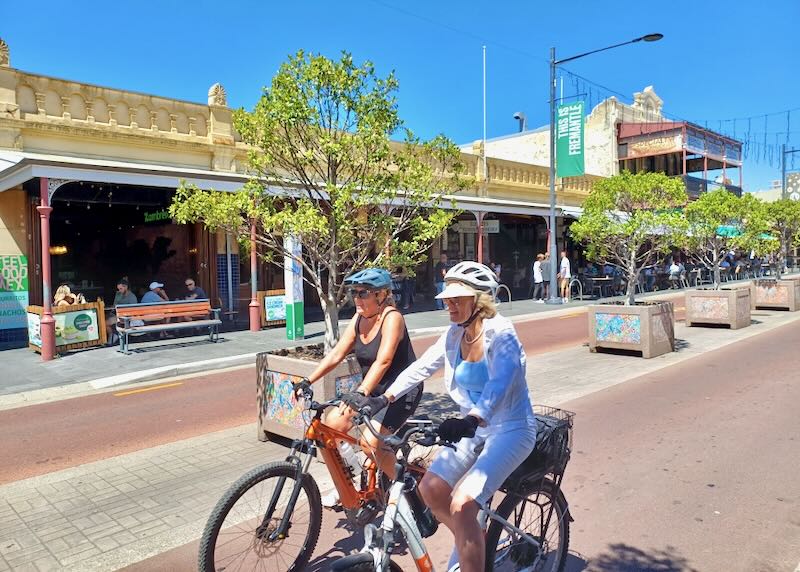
53	436
691	468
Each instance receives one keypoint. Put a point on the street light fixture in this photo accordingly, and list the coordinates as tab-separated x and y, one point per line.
554	262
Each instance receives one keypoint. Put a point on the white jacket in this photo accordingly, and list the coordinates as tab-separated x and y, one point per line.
504	401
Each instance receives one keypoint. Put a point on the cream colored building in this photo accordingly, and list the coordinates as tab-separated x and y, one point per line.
107	160
600	136
637	137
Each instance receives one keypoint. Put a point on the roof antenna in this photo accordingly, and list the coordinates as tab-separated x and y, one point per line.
523	121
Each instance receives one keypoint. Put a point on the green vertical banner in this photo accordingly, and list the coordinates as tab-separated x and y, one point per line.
293	284
569	140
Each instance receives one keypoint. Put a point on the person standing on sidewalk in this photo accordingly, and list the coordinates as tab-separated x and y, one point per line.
565	274
439	272
546	274
538	279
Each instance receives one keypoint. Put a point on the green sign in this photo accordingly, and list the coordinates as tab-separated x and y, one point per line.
71	327
569	140
156	216
293	284
13	291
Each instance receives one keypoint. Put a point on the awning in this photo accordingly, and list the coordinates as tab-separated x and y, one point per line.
17	167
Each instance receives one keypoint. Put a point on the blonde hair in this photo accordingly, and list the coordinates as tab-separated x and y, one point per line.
61	293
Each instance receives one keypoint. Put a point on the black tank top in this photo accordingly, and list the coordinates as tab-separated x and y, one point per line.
366	354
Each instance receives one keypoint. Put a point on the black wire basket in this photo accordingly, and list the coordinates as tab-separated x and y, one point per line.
553	438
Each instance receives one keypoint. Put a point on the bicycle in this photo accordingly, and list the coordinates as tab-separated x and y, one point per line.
509	543
258	530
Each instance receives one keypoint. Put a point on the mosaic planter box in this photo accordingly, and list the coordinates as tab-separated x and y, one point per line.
730	306
279	413
647	328
778	294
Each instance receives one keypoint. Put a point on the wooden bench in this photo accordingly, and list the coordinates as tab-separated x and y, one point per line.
144	313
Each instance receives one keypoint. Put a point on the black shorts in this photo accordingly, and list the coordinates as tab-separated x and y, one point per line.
398	412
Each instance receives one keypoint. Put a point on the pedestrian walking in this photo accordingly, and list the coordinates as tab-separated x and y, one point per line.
538	279
546	274
565	274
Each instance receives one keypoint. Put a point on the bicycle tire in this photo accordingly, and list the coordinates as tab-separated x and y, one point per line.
560	516
247	482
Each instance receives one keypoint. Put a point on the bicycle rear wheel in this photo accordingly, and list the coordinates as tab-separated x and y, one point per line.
506	551
237	534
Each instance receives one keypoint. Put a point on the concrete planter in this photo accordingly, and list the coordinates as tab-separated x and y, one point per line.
778	294
279	414
646	327
730	306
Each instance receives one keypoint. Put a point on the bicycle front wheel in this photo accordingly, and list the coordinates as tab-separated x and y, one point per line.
507	551
239	534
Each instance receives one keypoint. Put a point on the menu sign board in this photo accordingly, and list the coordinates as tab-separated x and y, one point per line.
13	291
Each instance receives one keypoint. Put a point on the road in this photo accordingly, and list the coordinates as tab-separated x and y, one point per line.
53	436
691	468
688	469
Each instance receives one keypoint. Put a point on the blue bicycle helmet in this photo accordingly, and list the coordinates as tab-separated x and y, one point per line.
376	278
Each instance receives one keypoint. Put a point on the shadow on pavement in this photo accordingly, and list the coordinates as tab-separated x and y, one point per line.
625	558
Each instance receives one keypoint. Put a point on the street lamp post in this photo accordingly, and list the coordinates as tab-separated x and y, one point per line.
554	262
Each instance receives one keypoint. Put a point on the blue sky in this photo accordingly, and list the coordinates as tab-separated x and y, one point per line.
718	60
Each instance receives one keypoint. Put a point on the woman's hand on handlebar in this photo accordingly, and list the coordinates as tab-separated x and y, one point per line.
302	389
365	405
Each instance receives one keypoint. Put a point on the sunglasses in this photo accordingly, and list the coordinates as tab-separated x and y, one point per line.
358	293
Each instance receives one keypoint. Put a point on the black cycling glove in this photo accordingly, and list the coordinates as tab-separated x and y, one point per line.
453	430
301	387
358	401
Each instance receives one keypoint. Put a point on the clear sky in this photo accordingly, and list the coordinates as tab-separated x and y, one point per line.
718	60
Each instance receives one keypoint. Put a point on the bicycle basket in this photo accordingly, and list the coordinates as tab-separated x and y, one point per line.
553	444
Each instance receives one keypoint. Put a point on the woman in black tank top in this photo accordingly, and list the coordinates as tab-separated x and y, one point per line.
379	338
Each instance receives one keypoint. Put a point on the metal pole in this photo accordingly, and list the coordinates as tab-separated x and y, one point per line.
229	264
255	310
48	323
783	171
555	297
485	172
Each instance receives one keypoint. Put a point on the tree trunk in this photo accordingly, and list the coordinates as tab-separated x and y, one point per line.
633	278
331	310
717	277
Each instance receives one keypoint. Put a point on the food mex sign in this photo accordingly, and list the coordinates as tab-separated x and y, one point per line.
13	273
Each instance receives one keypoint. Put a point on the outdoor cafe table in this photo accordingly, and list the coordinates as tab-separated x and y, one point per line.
602	283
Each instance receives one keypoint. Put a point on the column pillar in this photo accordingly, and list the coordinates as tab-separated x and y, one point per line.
479	246
48	323
255	311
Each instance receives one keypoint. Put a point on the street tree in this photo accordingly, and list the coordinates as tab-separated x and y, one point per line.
326	171
719	221
780	224
629	219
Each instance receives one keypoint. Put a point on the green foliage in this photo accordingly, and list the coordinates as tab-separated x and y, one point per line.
629	218
779	226
719	221
324	168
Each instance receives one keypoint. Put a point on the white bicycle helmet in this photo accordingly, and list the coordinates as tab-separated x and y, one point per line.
474	274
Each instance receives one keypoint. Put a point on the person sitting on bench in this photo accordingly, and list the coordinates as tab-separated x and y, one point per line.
155	295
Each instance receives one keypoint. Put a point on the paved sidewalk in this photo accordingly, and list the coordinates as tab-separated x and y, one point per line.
24	370
114	512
